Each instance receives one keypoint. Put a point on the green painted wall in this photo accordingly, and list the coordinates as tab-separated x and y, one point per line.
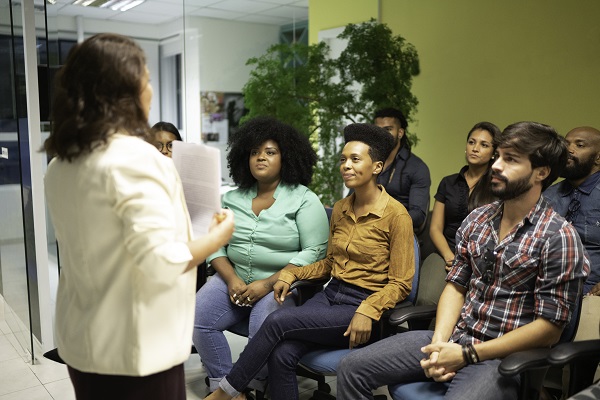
327	14
489	60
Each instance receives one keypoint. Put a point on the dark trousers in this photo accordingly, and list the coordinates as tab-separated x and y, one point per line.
289	333
166	385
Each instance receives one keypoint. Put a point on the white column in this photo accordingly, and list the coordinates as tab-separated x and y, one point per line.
191	85
38	162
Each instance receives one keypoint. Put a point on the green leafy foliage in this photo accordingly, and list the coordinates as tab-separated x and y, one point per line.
302	86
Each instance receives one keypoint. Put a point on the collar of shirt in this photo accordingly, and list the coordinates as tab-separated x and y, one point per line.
590	183
252	192
531	218
586	187
403	153
378	209
461	174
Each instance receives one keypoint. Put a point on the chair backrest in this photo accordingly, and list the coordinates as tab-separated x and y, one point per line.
432	280
413	295
568	334
421	228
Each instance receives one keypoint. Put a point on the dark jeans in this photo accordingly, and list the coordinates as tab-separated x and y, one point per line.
396	359
166	385
289	333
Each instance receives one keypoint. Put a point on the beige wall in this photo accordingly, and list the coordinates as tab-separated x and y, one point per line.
489	60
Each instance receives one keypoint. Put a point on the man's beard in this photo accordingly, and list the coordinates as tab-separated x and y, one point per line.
579	169
511	189
397	141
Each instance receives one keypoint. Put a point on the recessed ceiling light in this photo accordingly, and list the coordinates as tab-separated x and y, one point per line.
117	5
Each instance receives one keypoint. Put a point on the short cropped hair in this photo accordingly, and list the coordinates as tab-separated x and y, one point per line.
167	127
543	145
396	114
298	158
379	140
392	113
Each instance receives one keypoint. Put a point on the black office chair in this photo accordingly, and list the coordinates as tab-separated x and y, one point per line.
531	365
582	358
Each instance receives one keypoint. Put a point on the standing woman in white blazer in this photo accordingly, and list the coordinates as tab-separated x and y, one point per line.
125	306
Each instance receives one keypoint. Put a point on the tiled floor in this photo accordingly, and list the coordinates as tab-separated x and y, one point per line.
47	380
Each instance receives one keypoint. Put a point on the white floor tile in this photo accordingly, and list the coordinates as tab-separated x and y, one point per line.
15	375
194	370
35	393
7	350
4	329
61	390
17	343
1	308
49	371
196	390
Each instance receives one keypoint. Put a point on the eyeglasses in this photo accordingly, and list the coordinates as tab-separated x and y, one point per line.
489	265
160	146
572	210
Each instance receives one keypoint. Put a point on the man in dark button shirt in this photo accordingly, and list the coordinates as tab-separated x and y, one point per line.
577	198
405	176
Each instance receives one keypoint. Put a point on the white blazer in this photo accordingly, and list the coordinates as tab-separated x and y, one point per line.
124	305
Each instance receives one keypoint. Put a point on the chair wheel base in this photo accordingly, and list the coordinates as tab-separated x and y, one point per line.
322	395
324	387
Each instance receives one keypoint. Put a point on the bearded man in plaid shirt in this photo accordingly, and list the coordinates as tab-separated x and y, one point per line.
515	281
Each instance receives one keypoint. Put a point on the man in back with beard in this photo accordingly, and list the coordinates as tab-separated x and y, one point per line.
577	198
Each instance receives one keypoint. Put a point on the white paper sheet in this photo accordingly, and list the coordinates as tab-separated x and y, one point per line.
199	167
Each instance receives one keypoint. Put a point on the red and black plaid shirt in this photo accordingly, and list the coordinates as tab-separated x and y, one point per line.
537	271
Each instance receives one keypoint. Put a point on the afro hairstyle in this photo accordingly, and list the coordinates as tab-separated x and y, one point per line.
379	140
298	158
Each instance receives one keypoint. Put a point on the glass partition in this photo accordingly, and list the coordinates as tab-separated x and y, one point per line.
18	267
191	55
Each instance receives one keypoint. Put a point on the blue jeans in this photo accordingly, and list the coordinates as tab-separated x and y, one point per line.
216	313
396	359
289	333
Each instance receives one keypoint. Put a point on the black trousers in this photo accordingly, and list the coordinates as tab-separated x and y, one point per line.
166	385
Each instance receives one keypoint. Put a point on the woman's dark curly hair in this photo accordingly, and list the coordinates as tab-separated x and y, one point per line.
97	93
297	155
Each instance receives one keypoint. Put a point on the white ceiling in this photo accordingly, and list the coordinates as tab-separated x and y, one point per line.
274	12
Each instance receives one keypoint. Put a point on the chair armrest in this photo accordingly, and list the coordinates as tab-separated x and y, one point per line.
309	283
566	353
406	314
582	357
516	363
307	288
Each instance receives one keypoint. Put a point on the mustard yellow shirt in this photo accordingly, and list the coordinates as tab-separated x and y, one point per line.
374	252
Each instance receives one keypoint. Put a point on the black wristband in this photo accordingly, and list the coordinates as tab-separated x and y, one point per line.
472	353
465	353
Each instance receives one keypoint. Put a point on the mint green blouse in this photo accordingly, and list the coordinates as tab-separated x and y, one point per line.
294	230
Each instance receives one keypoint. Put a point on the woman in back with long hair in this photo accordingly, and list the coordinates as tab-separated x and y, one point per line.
461	193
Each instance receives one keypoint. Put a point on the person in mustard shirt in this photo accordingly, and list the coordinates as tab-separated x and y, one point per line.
370	259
